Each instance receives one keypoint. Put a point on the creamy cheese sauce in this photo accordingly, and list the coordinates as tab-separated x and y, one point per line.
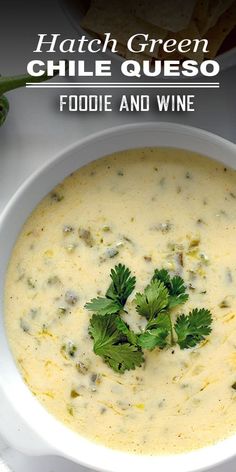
147	208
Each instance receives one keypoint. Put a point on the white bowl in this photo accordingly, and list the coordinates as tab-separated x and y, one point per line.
23	421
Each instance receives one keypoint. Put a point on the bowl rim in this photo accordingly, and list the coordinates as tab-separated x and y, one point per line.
100	457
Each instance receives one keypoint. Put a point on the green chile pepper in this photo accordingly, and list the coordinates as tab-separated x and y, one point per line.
4	109
11	83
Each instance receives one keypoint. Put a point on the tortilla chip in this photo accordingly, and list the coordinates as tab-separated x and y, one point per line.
220	31
200	14
215	10
120	48
105	16
169	56
140	57
172	15
189	33
84	6
126	54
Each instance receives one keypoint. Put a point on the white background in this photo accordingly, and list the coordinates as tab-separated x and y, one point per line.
36	131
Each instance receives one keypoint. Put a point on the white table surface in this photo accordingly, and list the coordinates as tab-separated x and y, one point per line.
36	131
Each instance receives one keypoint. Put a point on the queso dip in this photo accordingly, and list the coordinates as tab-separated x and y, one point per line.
146	208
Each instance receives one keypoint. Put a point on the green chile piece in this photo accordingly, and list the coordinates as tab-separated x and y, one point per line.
11	83
4	108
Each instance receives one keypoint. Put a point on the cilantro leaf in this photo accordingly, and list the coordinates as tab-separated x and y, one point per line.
123	357
103	331
125	329
153	300
103	306
119	290
177	293
163	321
153	338
164	276
112	345
175	287
156	333
122	284
193	329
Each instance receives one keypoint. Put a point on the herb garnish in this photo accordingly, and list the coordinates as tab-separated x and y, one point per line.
193	329
175	287
119	346
120	289
113	345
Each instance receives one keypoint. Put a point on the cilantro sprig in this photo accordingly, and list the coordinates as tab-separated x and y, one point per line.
120	289
122	348
174	285
122	284
193	329
153	300
113	345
